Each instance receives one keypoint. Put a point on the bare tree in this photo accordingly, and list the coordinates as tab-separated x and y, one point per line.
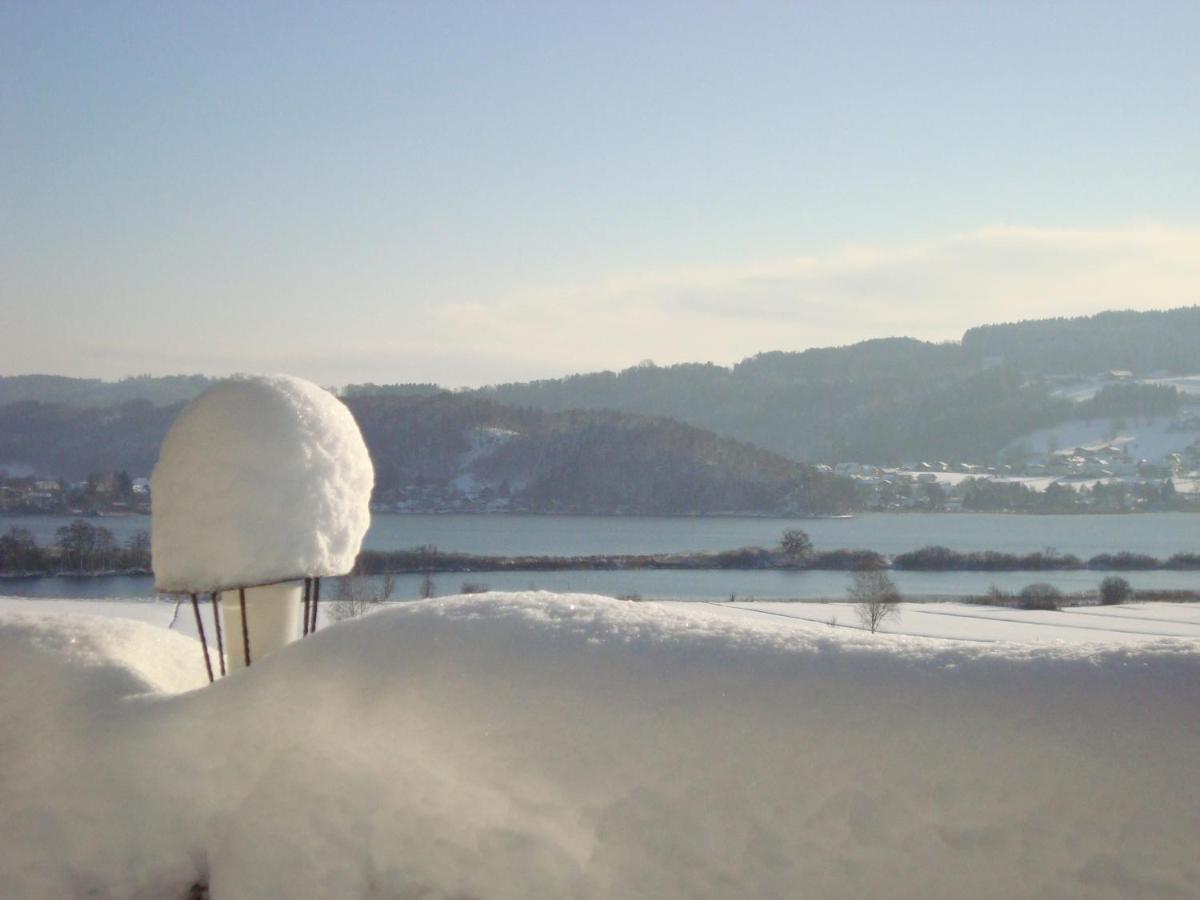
354	597
387	585
875	597
795	545
427	554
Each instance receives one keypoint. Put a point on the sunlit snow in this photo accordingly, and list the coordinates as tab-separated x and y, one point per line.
542	745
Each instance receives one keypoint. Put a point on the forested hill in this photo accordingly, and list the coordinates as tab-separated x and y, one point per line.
93	392
62	441
1135	341
580	461
880	401
447	451
894	399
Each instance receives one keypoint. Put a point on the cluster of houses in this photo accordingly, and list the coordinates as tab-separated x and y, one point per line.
109	493
455	497
943	486
1091	474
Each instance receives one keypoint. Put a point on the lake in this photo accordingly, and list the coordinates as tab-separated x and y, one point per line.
1159	534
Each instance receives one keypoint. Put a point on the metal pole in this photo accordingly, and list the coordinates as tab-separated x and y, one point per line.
203	642
245	626
315	601
216	613
307	588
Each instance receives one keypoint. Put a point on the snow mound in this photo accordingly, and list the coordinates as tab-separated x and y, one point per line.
540	745
260	479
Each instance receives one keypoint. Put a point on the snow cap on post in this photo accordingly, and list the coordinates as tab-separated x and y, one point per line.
260	479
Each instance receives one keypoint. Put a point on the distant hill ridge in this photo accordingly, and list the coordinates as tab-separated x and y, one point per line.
894	399
94	392
447	451
1166	340
881	401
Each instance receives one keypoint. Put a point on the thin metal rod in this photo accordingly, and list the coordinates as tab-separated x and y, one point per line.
307	588
316	599
205	588
245	626
216	613
203	642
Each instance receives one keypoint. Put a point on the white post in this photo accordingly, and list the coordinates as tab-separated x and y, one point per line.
273	614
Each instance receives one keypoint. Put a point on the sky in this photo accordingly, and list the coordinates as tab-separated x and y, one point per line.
478	193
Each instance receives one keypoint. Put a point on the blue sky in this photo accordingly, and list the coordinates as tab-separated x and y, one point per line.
477	193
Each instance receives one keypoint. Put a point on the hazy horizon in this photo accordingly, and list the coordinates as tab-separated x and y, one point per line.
482	384
477	195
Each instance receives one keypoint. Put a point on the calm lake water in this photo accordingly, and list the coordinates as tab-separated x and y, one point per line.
1159	534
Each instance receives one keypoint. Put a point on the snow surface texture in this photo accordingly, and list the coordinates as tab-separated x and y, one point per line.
539	745
1151	439
1128	623
260	479
1087	387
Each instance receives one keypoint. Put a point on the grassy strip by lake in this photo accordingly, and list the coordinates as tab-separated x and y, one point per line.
927	559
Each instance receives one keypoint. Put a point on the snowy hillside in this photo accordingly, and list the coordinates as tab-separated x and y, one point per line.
1152	440
1086	387
539	745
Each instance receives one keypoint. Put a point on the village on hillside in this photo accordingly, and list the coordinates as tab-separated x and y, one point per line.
1102	465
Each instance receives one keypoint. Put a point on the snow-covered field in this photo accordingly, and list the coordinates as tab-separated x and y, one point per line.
1124	624
544	745
1132	623
1151	439
1086	388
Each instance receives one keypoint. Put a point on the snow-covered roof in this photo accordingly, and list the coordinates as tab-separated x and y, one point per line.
260	479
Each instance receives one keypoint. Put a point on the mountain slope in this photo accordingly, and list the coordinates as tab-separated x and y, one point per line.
93	392
880	401
1122	339
448	451
885	401
576	461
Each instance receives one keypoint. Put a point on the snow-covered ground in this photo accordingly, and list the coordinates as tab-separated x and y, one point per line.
1151	439
1133	623
482	441
1185	384
1085	388
1184	484
1124	624
543	745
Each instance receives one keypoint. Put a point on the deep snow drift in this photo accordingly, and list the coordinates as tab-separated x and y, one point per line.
539	745
260	479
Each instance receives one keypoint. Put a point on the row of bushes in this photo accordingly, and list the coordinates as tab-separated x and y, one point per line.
80	548
1113	589
931	559
941	559
84	548
427	559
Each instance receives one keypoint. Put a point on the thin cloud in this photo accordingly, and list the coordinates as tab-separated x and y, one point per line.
933	289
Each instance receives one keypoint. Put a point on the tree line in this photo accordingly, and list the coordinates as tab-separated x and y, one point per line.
84	548
80	548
